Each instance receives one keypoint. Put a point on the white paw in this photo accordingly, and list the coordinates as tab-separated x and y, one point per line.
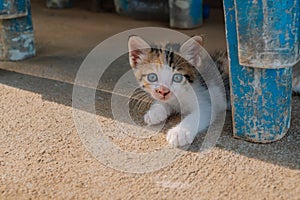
155	115
179	136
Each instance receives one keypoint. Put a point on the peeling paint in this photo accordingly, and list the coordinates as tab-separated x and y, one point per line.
12	9
268	33
16	55
260	91
16	33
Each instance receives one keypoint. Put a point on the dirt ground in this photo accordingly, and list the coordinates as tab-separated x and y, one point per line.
43	156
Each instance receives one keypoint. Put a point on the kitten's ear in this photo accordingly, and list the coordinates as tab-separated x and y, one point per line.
138	49
191	50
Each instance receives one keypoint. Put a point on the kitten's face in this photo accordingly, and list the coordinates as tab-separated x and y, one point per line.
160	71
160	80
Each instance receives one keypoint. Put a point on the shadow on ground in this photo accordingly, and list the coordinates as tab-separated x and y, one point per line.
284	152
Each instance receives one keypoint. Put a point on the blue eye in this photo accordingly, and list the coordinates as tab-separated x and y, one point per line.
177	78
152	77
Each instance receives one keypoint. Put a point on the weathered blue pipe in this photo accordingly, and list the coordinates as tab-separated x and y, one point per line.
16	30
263	45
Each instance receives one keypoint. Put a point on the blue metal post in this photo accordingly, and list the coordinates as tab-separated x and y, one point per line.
263	45
16	30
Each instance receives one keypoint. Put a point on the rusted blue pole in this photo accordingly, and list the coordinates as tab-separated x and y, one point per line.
16	30
263	45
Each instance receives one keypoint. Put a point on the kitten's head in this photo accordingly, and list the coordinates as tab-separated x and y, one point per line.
164	71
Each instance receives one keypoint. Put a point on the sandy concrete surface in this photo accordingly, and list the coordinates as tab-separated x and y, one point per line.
43	157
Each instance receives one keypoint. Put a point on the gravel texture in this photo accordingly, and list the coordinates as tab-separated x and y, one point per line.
43	157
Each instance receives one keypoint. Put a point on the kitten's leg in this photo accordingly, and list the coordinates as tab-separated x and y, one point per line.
185	132
157	113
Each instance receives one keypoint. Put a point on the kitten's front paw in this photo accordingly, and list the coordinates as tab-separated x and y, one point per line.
155	115
179	136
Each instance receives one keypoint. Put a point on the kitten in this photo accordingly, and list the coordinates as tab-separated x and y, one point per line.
168	74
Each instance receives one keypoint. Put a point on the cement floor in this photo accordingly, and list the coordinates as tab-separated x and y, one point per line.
42	154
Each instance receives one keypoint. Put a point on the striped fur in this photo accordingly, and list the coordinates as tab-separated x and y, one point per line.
167	60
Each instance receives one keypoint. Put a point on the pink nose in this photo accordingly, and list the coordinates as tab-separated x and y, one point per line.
162	91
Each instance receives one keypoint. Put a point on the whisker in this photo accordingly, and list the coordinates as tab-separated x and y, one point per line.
142	102
140	99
